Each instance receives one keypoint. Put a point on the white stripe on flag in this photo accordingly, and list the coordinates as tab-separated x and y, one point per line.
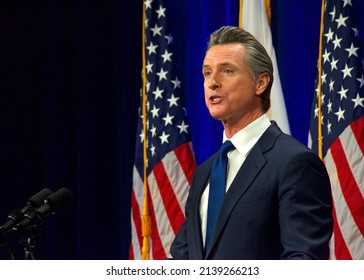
163	224
354	156
177	178
254	20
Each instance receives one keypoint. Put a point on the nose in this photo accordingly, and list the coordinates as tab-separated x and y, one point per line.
214	84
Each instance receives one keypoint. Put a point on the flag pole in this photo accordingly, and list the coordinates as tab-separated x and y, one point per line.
267	9
241	13
319	85
146	224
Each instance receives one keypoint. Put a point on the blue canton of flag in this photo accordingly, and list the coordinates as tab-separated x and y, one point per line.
166	120
170	162
342	111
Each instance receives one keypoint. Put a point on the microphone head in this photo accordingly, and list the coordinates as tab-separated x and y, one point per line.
59	199
38	199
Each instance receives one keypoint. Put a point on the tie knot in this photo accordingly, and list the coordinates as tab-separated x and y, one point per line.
226	147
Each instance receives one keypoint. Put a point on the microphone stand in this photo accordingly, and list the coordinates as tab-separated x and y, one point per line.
28	236
29	241
6	247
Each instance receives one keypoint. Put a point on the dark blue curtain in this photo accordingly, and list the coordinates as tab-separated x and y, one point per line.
69	96
69	92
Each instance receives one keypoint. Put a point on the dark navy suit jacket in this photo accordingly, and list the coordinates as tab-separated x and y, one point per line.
279	206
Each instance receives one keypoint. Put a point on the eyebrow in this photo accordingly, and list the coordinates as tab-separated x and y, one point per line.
223	64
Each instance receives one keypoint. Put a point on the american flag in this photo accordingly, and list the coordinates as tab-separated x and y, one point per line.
166	158
342	122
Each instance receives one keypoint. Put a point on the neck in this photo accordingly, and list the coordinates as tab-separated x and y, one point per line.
232	128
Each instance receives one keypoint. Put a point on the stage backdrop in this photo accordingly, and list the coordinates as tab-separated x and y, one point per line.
70	77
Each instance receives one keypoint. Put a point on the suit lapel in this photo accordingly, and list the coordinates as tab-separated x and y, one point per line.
200	183
244	178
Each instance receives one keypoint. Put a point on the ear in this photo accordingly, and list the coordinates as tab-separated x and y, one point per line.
262	83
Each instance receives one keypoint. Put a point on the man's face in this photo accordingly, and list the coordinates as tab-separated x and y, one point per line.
231	94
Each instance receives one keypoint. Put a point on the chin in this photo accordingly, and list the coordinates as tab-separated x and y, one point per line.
216	116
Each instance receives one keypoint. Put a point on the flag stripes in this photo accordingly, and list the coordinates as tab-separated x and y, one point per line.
345	166
337	124
168	194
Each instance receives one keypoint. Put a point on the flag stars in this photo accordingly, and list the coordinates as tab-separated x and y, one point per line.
356	32
358	101
347	2
161	12
176	83
183	128
342	93
149	67
347	71
333	63
152	150
156	30
341	21
158	93
316	111
323	78
352	50
155	112
164	138
153	131
337	42
326	56
148	4
168	119
329	35
333	14
361	80
331	85
329	107
340	114
152	48
328	127
169	39
141	135
173	100
162	74
166	56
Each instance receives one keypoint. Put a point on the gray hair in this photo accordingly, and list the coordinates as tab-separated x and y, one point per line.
256	56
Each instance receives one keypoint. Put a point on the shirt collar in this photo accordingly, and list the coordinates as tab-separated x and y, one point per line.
246	138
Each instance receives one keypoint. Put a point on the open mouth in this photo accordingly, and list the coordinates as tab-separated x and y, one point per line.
215	98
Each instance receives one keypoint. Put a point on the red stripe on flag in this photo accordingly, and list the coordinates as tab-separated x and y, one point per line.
358	128
131	252
171	204
349	187
158	251
341	249
186	159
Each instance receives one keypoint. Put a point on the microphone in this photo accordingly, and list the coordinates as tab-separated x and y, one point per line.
51	205
16	215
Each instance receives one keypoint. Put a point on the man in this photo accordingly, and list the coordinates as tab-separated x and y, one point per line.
277	202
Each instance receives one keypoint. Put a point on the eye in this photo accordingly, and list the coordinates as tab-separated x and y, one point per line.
228	71
206	73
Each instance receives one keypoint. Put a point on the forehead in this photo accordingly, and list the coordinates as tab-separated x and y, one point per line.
226	53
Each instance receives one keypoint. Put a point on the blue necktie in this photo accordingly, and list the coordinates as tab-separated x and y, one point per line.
217	188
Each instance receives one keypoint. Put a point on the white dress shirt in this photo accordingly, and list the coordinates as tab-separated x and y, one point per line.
243	141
